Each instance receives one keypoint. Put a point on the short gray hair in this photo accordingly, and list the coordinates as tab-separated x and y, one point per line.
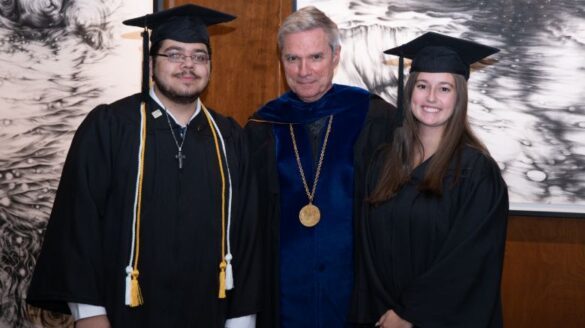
305	19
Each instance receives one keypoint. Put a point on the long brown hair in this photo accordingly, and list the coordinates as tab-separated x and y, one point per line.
399	157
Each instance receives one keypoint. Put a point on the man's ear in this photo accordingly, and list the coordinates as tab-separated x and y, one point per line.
336	55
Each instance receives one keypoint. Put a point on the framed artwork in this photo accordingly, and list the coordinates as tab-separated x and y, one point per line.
59	59
528	107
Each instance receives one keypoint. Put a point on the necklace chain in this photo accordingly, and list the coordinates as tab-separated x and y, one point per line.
180	157
311	194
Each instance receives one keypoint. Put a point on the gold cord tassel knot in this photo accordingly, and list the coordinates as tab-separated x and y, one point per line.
222	267
135	293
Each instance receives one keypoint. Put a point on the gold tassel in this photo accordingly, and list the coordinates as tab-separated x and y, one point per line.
222	266
135	293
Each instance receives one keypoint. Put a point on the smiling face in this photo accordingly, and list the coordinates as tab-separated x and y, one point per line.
180	83
433	100
309	63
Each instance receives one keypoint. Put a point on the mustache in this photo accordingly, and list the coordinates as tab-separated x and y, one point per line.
188	74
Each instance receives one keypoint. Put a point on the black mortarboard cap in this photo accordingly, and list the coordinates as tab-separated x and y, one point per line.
187	23
437	53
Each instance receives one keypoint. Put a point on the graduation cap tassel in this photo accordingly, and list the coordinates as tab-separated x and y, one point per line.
400	96
145	65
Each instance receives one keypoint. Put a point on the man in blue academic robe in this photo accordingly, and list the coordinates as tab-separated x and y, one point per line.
306	148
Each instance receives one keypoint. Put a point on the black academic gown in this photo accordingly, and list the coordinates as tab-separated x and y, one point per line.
376	129
436	261
87	243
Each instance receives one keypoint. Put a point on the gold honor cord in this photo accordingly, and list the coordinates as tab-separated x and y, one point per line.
223	263
134	295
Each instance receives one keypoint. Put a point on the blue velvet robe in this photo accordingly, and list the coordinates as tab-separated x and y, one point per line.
311	269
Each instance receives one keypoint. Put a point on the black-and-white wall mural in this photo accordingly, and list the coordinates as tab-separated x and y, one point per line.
529	107
58	60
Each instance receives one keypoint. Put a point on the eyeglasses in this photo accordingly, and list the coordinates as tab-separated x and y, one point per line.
175	57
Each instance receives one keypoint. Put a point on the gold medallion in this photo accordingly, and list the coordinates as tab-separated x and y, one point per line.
309	215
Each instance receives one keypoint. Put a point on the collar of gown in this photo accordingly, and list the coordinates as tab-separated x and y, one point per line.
288	108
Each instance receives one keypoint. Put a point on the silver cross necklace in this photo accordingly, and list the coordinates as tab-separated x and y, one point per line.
180	156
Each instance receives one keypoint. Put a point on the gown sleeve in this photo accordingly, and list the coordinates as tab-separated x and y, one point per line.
369	149
68	267
263	158
247	263
461	288
369	299
377	131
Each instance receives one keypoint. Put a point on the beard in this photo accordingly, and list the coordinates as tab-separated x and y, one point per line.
174	95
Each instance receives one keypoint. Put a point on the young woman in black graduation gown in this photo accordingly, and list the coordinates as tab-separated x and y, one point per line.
432	230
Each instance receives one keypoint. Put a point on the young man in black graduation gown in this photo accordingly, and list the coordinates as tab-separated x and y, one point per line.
335	129
154	222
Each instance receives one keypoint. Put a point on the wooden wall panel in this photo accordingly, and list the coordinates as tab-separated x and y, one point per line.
245	68
544	273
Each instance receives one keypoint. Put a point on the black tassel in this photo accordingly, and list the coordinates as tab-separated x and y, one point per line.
400	96
145	66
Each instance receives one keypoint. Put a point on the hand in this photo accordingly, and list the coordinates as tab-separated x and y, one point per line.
391	320
99	321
